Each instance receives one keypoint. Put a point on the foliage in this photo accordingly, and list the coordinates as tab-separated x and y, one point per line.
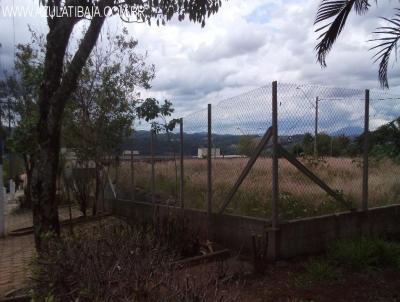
107	100
102	109
327	145
22	89
105	105
333	14
246	145
159	10
323	144
365	253
383	142
117	262
297	149
317	270
308	143
340	145
60	78
357	254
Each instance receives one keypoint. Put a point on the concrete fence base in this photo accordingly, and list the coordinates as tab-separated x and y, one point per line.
291	238
313	235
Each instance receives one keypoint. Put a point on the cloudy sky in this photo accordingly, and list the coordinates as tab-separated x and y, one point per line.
246	45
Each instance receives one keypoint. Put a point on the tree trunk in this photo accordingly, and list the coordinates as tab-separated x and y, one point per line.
45	210
55	90
97	188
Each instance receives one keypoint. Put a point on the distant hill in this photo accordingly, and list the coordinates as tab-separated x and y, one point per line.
168	144
348	131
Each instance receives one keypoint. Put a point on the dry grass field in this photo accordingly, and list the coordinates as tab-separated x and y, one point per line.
299	197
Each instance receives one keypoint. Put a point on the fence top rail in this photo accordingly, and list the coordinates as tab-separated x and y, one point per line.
305	91
250	112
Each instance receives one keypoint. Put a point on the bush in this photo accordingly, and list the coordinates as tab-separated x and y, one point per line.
365	253
354	255
116	263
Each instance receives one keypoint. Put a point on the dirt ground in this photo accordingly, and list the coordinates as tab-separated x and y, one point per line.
280	282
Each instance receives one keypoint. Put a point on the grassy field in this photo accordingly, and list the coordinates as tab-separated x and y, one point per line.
299	197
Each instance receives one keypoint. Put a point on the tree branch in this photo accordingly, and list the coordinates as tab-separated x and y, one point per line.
78	62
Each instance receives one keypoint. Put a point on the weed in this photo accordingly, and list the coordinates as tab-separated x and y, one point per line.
117	262
317	270
365	253
358	254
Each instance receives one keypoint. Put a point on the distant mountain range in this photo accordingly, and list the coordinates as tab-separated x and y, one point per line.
348	131
169	144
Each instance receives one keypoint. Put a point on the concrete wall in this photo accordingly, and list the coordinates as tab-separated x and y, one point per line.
229	230
313	235
293	238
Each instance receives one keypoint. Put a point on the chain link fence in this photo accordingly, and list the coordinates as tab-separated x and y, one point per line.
320	129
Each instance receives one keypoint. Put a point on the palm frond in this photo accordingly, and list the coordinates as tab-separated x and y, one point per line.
387	43
340	10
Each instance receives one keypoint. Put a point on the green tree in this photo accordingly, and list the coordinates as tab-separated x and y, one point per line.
332	16
22	89
297	149
324	144
105	104
384	141
388	135
246	145
308	144
60	79
340	145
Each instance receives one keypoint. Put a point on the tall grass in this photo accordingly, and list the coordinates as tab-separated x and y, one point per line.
299	197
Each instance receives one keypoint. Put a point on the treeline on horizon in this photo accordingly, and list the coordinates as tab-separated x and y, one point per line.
383	142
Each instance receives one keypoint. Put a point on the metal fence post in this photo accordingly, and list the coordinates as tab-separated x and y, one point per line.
316	128
181	174
2	195
209	167
132	176
273	233
275	163
153	178
365	154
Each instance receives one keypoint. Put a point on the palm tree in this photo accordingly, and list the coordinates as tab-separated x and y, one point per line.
332	15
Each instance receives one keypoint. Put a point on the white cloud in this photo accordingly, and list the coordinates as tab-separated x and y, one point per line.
246	45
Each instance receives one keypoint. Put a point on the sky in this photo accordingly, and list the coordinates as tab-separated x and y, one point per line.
246	45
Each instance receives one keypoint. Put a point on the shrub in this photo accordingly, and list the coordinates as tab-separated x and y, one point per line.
116	262
362	253
357	254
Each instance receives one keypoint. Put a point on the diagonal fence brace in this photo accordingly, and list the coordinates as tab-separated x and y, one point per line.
264	141
295	162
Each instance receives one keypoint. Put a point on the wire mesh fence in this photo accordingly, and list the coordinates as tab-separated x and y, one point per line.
320	129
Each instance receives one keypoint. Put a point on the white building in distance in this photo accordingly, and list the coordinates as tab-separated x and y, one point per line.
128	153
202	152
